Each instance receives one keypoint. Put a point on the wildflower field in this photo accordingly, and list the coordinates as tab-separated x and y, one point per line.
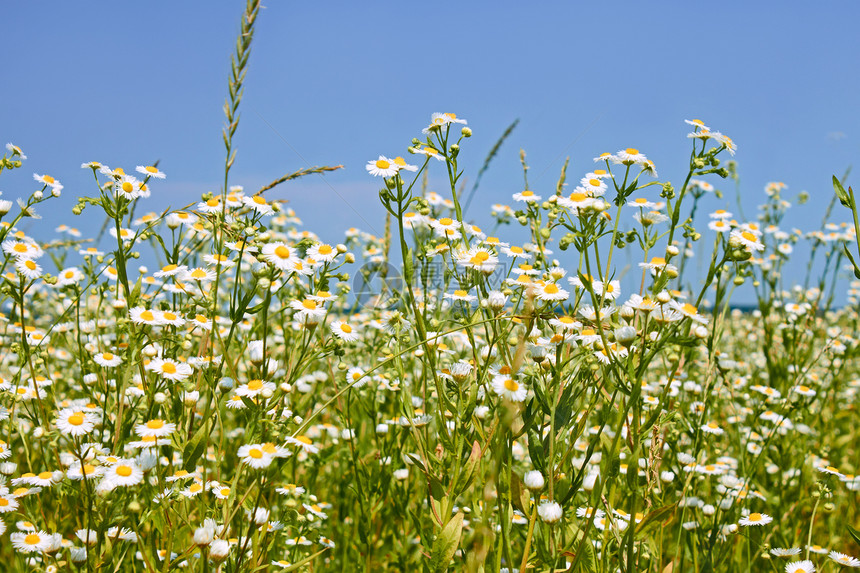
214	388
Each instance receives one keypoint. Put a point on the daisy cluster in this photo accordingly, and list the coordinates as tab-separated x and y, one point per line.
513	402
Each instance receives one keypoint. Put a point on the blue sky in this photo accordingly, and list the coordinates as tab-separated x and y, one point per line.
126	83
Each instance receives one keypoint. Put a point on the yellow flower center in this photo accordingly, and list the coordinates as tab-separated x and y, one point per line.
382	164
594	182
689	308
32	539
550	289
577	197
20	248
124	471
309	304
259	200
212	202
511	385
255	384
346	328
255	453
127	187
151	169
76	419
168	368
325	249
282	252
147	315
269	448
755	517
155	424
460	293
632	151
169	316
748	236
48	179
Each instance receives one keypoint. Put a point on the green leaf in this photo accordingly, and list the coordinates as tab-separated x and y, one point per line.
519	494
589	561
194	448
656	516
854	533
851	258
302	563
536	451
841	194
469	469
409	268
446	543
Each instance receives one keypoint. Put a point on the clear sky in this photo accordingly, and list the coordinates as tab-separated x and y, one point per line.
126	83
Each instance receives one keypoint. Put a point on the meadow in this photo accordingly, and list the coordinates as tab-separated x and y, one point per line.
438	398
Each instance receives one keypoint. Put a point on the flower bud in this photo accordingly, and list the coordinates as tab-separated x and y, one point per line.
550	512
533	480
625	335
203	536
219	550
496	300
460	371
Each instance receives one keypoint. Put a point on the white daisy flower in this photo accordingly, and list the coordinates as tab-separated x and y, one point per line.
507	387
382	167
254	456
155	428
